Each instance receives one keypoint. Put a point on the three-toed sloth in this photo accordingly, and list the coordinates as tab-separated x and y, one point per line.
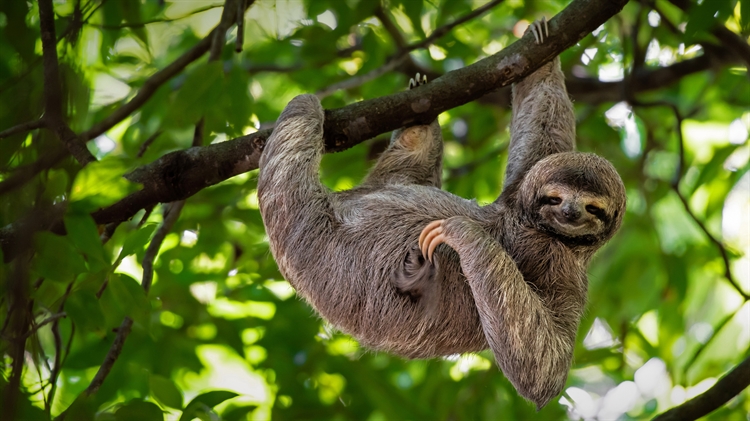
408	268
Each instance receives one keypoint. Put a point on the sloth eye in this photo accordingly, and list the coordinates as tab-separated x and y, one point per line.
552	200
593	209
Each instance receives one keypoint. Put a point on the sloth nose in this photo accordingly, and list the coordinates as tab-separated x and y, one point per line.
571	212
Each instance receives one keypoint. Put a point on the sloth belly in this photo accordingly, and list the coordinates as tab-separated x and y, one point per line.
351	284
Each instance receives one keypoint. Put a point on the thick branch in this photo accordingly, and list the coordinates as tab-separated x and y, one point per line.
180	174
725	389
594	91
171	214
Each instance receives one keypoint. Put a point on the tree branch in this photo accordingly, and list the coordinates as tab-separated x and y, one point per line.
171	213
403	50
52	89
675	185
149	88
22	128
181	174
162	20
22	175
725	389
727	37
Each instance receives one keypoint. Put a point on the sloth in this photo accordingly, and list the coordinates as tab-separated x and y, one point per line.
411	269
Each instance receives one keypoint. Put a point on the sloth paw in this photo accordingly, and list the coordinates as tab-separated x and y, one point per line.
416	81
540	30
432	236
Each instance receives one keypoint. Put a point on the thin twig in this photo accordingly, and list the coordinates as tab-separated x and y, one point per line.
22	128
675	184
362	79
724	35
48	320
240	39
53	96
109	361
720	393
22	175
161	20
439	32
704	345
148	143
55	372
390	27
404	49
171	214
149	88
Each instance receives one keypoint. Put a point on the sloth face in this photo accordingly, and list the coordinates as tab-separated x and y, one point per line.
572	212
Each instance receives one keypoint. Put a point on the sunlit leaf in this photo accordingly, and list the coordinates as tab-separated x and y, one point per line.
137	240
84	235
101	183
203	403
165	391
139	410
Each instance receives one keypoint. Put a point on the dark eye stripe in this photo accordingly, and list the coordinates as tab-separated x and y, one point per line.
593	210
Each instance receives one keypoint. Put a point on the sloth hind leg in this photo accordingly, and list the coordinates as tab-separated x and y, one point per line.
414	155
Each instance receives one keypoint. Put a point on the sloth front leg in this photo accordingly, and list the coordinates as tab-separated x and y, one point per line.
414	156
530	347
543	120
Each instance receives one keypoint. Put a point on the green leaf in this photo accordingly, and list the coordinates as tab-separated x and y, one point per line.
56	258
202	89
131	10
85	310
131	297
165	391
237	414
84	235
745	15
101	183
83	408
136	241
206	400
413	10
138	410
705	15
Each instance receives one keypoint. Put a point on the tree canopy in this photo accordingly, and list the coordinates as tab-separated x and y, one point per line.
137	279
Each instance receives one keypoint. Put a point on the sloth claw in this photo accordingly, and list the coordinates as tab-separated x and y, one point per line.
432	236
416	81
539	29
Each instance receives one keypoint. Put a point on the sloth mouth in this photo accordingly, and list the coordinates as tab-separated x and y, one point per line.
568	223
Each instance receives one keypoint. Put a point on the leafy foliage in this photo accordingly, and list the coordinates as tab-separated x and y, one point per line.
220	334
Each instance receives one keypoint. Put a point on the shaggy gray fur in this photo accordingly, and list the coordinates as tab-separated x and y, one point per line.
512	275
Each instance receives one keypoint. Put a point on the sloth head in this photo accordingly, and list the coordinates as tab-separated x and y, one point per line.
576	197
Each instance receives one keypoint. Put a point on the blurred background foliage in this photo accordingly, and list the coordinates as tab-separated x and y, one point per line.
221	334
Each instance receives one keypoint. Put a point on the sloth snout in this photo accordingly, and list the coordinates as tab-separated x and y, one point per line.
571	212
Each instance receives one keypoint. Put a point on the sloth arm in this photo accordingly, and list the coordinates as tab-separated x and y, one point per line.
543	120
532	343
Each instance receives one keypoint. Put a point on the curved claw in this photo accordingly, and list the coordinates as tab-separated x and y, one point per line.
431	237
539	31
416	81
